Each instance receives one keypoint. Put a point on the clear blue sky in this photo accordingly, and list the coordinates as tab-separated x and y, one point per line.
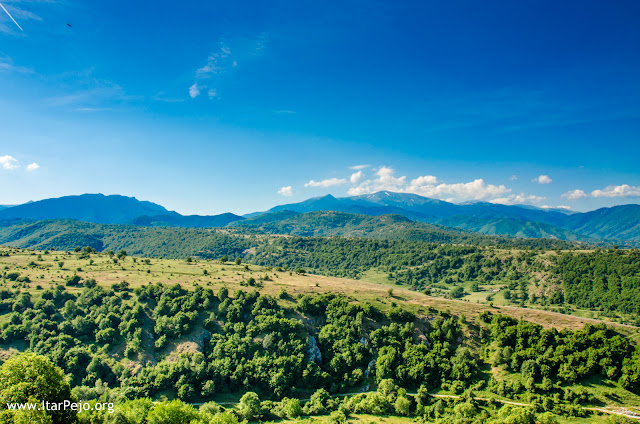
207	107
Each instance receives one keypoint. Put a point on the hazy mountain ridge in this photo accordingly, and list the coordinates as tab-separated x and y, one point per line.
111	209
98	208
616	224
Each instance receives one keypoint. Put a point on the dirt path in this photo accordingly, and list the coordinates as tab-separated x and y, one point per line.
611	411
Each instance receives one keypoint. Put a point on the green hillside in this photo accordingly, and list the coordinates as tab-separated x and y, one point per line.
515	227
263	344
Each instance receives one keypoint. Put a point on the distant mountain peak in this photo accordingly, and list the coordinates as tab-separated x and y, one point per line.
110	209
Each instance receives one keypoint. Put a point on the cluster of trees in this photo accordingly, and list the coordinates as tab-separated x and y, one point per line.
32	379
550	362
321	345
349	257
606	280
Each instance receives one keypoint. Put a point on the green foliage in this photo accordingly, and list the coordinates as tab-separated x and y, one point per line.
249	406
28	377
606	280
174	412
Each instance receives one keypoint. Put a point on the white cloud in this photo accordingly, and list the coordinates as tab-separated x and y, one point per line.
330	182
624	190
567	208
574	194
8	162
513	177
32	167
359	167
542	179
212	93
474	190
428	186
519	199
286	191
194	91
356	177
424	180
385	181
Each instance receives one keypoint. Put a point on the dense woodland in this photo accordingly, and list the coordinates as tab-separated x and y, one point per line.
280	350
292	356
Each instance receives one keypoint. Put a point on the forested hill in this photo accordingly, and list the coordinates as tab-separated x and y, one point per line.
99	327
183	242
523	271
392	226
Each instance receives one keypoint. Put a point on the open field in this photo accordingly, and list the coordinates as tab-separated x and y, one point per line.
36	271
48	269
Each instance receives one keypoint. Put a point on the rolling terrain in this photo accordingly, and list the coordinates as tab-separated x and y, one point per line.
79	279
325	314
616	225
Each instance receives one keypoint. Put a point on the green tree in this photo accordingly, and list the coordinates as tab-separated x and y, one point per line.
223	293
292	408
402	406
174	412
249	406
35	416
224	418
28	376
136	411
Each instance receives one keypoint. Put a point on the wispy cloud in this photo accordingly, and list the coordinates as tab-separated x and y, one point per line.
358	167
160	97
32	167
286	191
217	62
229	55
7	65
518	199
8	162
92	109
97	96
624	190
331	182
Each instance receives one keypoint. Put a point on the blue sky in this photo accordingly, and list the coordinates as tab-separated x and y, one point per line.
207	107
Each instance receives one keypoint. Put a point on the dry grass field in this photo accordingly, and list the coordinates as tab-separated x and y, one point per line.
46	269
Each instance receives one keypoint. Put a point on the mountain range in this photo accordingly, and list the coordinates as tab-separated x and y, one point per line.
615	224
112	209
